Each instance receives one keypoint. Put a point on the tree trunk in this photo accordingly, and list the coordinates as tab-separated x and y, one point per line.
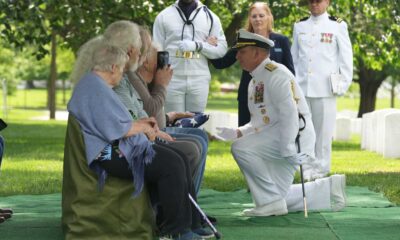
392	93
29	84
64	98
53	76
234	26
369	80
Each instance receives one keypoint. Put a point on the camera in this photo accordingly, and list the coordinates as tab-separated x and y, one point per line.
162	59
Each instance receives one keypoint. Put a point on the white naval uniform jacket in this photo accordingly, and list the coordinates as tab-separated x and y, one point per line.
321	47
167	31
274	101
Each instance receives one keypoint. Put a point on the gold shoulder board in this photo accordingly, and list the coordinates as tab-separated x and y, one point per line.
339	20
270	67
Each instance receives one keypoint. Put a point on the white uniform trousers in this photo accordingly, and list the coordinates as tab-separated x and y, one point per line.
318	194
268	175
323	113
187	93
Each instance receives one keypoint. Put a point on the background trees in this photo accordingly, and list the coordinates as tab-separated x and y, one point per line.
374	27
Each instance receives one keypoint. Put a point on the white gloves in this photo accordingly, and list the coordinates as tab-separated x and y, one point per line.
298	158
187	46
226	134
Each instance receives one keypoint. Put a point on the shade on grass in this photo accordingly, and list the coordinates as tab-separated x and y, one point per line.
368	216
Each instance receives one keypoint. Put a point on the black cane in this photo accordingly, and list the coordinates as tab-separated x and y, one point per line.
204	216
301	117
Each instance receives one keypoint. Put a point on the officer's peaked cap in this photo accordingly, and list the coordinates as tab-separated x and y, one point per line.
245	39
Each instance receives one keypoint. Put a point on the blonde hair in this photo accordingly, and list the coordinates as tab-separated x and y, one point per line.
145	36
265	6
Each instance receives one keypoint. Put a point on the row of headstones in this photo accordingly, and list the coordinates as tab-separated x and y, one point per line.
345	124
381	132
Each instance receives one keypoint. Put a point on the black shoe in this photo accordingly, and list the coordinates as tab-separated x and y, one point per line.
6	210
5	215
203	232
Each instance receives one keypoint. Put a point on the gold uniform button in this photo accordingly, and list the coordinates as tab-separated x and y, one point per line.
256	129
266	119
263	111
254	81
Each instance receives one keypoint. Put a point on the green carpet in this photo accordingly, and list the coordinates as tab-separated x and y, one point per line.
367	216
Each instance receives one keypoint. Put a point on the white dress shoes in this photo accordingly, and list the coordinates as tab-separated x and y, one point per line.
338	194
276	208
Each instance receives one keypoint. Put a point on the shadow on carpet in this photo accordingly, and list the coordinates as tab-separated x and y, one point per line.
368	215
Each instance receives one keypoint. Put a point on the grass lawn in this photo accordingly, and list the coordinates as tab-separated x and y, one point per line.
32	163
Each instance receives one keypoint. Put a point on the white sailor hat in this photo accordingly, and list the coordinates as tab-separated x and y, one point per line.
245	39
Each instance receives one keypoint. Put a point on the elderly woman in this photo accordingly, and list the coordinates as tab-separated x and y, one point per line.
118	146
153	98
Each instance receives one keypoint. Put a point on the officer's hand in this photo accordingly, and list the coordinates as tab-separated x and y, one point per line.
298	158
226	134
187	46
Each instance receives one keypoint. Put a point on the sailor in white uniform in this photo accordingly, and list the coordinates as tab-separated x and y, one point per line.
323	60
182	30
265	148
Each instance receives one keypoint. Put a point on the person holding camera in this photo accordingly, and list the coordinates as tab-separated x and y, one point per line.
150	83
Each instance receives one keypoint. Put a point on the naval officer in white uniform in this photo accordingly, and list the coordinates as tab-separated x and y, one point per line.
322	51
265	148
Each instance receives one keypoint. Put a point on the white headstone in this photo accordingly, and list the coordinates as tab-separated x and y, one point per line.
392	136
347	113
365	130
356	126
380	138
342	129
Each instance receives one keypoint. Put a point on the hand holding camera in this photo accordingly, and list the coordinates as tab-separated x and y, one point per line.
164	71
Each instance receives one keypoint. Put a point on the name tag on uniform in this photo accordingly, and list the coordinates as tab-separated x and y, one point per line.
277	49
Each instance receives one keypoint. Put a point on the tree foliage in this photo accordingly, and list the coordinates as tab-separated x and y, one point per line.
374	27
